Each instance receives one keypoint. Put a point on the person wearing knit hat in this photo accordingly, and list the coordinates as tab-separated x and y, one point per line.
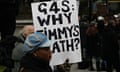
37	54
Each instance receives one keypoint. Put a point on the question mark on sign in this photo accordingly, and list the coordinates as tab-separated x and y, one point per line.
77	41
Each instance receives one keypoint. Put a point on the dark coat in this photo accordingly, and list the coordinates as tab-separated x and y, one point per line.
110	45
29	63
8	17
18	52
92	45
83	28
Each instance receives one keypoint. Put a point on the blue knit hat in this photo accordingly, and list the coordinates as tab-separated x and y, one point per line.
35	41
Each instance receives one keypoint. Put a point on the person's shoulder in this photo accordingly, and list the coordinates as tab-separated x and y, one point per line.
20	38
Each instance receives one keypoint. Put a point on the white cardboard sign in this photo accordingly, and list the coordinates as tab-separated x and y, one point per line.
59	21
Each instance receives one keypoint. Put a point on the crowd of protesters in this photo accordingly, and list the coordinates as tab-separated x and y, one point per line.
100	41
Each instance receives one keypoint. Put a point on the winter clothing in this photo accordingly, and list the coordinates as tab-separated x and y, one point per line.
18	53
30	63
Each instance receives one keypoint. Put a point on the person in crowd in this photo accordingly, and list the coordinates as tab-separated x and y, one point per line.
5	53
37	54
18	53
8	17
83	22
100	26
92	45
116	25
7	28
109	43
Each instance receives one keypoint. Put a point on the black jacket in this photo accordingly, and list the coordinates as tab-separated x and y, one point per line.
109	42
29	63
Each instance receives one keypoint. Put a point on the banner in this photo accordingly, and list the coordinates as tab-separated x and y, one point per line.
59	21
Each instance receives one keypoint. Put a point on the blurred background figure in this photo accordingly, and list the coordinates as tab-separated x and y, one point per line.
7	29
83	22
18	53
8	17
109	44
93	50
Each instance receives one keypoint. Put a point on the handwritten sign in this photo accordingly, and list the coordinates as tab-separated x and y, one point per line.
59	21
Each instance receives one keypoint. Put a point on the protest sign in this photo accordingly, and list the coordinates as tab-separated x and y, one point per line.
59	21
